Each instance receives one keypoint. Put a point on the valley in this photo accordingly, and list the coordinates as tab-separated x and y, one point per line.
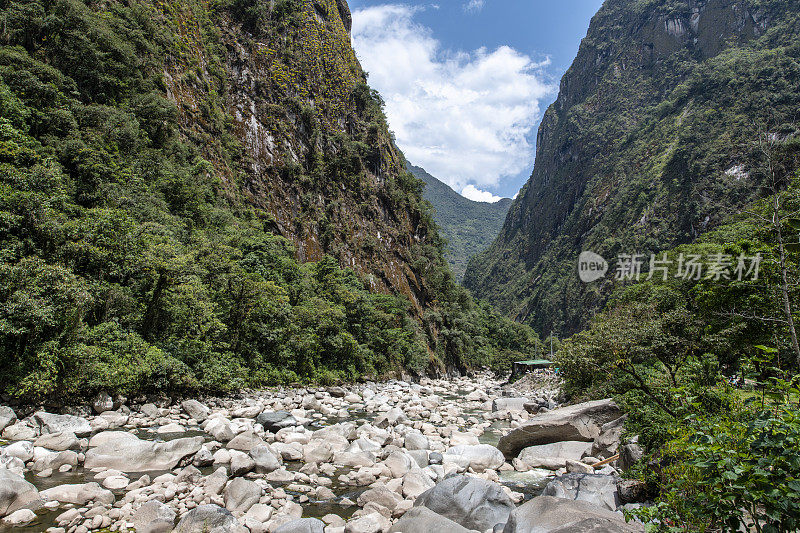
229	304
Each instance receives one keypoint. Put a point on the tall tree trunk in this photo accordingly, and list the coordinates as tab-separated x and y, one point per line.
787	308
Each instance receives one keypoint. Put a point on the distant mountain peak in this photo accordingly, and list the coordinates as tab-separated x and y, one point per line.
468	225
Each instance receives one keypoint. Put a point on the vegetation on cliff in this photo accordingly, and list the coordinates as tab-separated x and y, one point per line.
648	145
158	234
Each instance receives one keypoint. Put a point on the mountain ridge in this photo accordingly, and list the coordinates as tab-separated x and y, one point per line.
637	152
468	226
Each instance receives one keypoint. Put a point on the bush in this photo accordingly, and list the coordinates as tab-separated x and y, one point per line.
734	473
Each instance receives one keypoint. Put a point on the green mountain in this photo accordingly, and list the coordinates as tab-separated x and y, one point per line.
469	227
205	195
650	143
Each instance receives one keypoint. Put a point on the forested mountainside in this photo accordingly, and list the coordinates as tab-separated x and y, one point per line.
650	143
205	195
469	227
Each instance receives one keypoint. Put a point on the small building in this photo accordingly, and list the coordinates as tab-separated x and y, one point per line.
523	367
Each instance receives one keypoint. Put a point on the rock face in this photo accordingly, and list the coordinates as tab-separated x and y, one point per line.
545	514
473	503
16	493
585	189
422	519
579	422
125	452
209	519
597	489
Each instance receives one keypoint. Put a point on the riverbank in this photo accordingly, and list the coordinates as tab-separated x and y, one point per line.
347	459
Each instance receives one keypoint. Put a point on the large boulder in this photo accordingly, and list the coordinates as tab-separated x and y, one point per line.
629	455
479	457
11	463
597	489
102	402
196	410
276	420
209	519
472	502
302	525
16	493
414	440
607	443
509	404
58	441
265	458
20	431
79	494
50	423
7	417
392	417
241	494
54	460
22	450
554	456
415	483
153	517
220	429
380	495
581	422
545	514
421	519
122	451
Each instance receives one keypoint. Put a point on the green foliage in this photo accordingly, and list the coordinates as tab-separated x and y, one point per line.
735	471
125	263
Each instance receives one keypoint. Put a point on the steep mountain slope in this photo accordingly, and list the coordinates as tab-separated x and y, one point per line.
205	195
469	227
649	143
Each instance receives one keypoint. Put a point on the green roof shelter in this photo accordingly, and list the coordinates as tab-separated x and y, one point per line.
523	367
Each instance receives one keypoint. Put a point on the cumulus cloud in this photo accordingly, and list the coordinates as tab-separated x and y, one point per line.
466	117
471	192
473	6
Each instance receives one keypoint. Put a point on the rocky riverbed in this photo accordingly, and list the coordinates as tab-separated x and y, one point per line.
456	455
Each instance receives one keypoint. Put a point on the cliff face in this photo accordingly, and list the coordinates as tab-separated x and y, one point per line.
312	145
469	227
645	147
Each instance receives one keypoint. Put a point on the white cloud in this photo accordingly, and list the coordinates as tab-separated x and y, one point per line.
473	6
473	193
466	117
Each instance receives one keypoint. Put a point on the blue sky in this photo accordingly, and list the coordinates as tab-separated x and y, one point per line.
466	81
